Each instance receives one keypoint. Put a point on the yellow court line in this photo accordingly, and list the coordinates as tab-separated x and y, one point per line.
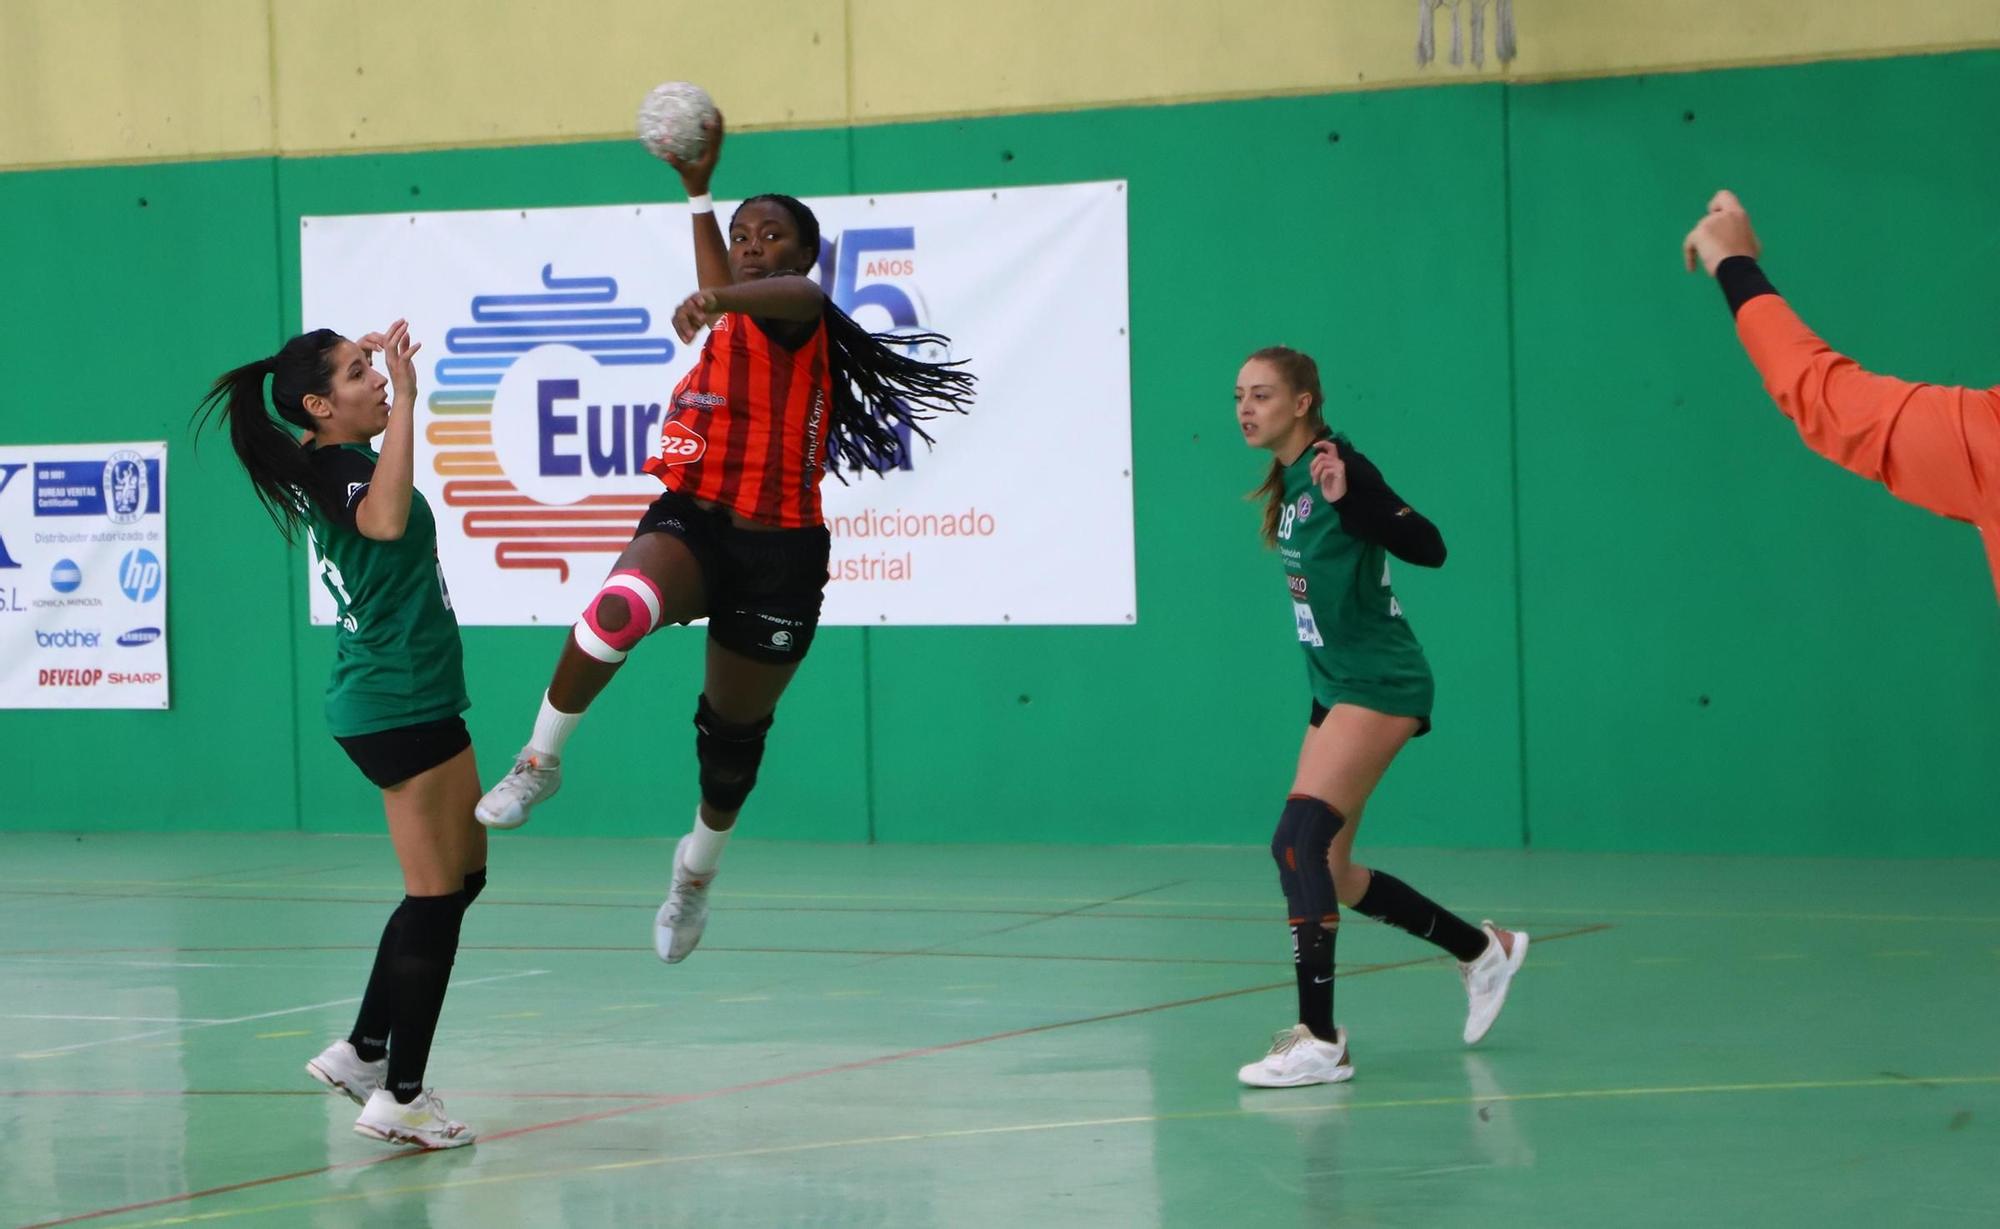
1148	902
1580	1094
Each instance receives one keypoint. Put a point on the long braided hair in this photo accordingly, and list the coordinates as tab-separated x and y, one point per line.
1301	375
881	394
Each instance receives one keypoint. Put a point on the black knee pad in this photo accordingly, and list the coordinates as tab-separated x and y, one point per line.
475	883
729	755
1305	834
430	928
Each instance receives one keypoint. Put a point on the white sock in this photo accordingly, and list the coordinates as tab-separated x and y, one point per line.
704	853
552	729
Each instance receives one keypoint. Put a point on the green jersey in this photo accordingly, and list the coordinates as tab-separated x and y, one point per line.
1359	648
397	659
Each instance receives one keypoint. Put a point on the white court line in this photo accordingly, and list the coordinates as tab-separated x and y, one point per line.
123	1019
80	962
72	962
262	1015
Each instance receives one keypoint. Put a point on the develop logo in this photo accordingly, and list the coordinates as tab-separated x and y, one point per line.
69	678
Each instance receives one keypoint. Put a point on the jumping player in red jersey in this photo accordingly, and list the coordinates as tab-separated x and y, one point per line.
786	384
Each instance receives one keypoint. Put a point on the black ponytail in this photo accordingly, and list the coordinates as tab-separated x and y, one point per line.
271	455
880	392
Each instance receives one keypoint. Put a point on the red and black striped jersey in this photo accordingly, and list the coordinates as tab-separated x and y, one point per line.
747	427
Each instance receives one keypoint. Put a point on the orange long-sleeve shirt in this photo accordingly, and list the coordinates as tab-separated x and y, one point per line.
1934	446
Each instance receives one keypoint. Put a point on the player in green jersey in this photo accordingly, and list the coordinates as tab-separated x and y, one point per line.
1335	522
398	684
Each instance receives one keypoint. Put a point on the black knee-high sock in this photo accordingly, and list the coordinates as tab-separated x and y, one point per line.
420	971
1312	961
370	1037
1389	899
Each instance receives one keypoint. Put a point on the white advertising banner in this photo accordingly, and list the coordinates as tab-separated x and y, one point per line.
549	353
83	576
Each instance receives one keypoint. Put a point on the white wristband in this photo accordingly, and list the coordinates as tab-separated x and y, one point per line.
701	204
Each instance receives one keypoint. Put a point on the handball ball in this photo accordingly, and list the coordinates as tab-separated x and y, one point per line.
671	119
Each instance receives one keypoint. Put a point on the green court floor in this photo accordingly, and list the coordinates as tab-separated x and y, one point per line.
908	1036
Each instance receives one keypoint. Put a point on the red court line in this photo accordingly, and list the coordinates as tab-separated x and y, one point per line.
755	1085
314	1092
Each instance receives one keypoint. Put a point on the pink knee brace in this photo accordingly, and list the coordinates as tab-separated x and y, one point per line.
610	647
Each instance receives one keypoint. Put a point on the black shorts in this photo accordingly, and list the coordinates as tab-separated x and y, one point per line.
764	587
391	757
1319	712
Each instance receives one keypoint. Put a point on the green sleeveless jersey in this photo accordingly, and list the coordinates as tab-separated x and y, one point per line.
1359	648
397	659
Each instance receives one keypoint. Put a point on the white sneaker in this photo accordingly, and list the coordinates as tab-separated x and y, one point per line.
422	1122
1297	1057
1487	978
534	778
341	1069
678	925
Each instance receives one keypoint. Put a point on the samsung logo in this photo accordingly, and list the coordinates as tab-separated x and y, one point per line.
138	636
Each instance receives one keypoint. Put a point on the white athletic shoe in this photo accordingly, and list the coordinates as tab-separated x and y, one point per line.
422	1122
1487	978
341	1069
678	925
534	778
1297	1057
